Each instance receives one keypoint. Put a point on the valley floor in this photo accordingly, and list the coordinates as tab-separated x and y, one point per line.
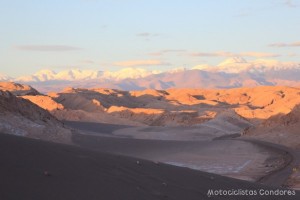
233	158
34	169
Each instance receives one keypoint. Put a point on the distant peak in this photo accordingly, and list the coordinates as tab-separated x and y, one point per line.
4	77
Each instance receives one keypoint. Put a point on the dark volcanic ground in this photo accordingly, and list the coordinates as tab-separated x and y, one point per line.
80	174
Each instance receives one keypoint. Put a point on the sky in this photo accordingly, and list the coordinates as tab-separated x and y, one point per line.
151	34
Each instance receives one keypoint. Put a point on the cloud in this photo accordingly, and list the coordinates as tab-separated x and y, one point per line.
139	63
230	54
293	44
290	3
143	34
160	53
293	55
146	34
47	48
213	54
259	54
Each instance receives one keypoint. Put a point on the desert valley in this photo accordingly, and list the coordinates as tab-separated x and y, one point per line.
149	100
139	139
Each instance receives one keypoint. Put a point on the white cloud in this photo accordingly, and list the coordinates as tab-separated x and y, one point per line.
166	51
293	44
230	54
290	3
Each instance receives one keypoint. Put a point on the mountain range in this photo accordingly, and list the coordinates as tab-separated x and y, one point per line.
232	73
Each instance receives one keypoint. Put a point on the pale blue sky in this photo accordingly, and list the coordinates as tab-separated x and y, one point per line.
163	34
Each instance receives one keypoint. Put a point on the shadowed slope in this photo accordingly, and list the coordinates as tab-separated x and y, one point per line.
19	116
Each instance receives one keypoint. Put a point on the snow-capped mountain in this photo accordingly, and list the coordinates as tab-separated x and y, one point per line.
4	77
238	65
132	73
81	75
233	72
68	75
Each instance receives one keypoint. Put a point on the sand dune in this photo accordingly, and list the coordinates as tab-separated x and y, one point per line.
170	107
282	129
175	105
229	110
262	109
44	102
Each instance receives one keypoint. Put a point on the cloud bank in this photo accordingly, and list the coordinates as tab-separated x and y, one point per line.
293	44
166	51
230	54
47	48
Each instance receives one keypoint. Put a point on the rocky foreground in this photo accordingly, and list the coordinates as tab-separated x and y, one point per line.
19	116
